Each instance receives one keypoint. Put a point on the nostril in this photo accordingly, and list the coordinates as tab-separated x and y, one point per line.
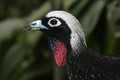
33	24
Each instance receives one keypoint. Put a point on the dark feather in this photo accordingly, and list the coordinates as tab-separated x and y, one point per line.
92	66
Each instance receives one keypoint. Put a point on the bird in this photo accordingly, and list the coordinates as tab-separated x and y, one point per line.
68	45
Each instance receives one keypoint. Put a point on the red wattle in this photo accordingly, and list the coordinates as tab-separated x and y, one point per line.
60	54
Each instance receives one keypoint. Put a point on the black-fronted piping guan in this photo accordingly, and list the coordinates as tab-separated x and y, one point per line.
67	41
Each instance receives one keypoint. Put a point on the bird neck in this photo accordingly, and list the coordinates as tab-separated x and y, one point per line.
74	53
78	44
73	63
73	58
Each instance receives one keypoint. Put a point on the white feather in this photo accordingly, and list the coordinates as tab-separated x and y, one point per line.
74	25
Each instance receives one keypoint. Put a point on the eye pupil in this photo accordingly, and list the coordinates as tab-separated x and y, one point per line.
53	22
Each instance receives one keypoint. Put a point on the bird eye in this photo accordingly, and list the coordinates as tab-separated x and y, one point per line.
53	22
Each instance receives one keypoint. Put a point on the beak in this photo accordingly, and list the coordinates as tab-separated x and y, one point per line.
36	25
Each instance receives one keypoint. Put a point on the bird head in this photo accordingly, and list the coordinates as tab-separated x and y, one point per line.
65	34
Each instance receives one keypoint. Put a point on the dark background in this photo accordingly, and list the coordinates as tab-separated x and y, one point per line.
26	55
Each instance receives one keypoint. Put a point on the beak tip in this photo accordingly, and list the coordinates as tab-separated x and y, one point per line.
26	28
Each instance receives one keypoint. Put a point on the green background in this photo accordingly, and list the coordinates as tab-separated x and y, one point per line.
26	55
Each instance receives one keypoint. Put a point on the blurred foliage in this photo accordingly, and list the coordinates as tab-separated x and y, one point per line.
26	56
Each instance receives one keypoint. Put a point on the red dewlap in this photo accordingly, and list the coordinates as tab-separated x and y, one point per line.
60	54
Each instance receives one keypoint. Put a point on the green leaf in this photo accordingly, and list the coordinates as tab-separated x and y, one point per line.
12	59
8	26
67	4
113	18
37	70
78	7
38	13
91	16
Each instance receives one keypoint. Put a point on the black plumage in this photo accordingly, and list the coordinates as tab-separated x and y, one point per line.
68	44
93	66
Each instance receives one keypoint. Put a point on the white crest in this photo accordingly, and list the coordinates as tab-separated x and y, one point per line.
74	25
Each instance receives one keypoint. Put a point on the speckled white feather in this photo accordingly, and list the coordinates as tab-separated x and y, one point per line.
74	25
